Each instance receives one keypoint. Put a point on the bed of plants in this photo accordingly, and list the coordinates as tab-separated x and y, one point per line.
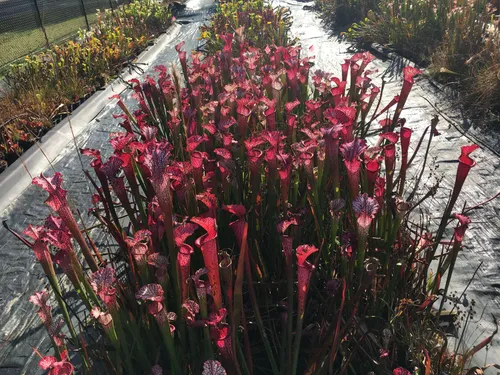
256	229
339	14
46	86
458	40
261	23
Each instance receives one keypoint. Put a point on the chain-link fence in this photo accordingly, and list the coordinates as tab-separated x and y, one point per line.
29	25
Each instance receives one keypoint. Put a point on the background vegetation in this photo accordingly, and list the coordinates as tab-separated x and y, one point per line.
457	40
45	86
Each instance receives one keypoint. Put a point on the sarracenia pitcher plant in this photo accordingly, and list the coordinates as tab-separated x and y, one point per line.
257	229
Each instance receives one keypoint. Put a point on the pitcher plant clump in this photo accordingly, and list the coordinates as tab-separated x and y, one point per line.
260	214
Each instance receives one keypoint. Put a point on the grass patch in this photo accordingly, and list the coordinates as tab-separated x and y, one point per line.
17	44
339	14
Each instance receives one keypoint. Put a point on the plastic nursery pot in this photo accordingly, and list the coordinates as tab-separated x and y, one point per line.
100	83
73	106
10	158
24	145
58	118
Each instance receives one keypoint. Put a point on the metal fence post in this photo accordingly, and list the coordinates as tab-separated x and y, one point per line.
85	15
111	6
39	16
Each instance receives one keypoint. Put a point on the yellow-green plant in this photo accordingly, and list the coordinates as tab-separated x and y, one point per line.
260	22
44	84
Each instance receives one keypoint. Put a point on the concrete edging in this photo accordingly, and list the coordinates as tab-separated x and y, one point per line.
15	179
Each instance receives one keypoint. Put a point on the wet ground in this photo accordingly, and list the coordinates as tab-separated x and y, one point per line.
20	276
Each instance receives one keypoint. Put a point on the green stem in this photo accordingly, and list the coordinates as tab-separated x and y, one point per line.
124	349
206	333
244	366
170	346
140	344
54	283
453	256
298	336
258	317
362	238
290	292
334	255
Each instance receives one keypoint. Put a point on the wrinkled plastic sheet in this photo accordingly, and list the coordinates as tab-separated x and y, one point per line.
21	276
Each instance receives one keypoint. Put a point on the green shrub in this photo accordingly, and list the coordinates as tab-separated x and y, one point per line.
457	40
342	13
412	27
470	56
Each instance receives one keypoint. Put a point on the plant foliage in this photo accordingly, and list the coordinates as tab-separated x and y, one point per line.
45	86
256	229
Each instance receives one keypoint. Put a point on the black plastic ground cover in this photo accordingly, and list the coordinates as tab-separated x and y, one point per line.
20	276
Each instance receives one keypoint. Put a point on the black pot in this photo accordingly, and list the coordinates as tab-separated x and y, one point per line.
58	118
72	107
25	145
11	157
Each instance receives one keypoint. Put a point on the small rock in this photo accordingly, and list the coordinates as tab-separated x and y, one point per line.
309	7
176	7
